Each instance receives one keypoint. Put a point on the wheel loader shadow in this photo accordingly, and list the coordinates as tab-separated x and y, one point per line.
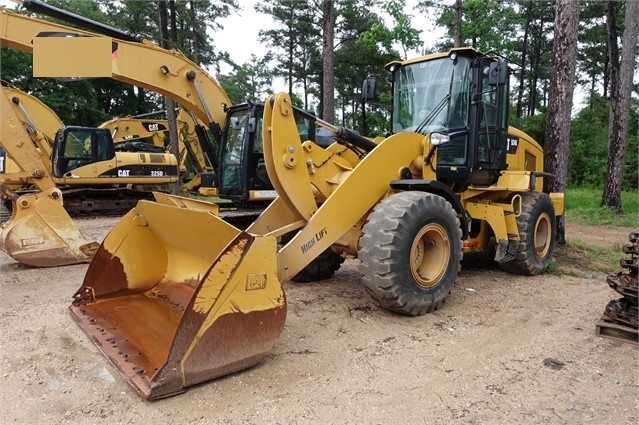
479	261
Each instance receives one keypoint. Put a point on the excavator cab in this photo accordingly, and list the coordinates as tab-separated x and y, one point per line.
462	98
75	147
243	174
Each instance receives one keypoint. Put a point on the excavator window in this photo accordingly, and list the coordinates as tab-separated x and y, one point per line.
80	146
232	165
77	150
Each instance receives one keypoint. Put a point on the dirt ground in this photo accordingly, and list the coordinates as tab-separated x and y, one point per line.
504	349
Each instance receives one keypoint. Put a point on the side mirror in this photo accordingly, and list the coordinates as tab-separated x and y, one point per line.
498	74
369	89
235	123
251	125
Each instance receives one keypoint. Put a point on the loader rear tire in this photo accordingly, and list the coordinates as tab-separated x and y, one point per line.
411	252
537	234
323	267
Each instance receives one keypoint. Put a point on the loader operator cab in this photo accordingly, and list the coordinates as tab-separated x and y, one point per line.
459	99
75	147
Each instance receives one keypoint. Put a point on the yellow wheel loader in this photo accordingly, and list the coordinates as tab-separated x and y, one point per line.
176	296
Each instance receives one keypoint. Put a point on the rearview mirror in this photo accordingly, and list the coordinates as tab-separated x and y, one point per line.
369	89
498	75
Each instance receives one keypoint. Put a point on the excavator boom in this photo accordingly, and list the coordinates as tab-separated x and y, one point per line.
175	76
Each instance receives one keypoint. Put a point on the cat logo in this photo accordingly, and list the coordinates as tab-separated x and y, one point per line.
123	173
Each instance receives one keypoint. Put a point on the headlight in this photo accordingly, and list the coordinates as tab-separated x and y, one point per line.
438	139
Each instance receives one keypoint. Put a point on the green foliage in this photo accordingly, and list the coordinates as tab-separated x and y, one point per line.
583	205
577	256
533	125
248	81
588	156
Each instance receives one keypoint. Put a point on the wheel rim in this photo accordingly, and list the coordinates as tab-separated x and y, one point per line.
542	235
429	255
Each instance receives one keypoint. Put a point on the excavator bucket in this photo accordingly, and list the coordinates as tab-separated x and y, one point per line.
40	233
171	309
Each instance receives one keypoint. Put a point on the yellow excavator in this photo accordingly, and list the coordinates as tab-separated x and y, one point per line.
176	296
242	179
40	232
139	62
236	129
129	132
92	173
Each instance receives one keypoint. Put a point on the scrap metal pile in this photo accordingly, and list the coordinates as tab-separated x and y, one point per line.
619	320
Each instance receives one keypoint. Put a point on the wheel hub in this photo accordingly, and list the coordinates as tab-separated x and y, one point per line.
429	255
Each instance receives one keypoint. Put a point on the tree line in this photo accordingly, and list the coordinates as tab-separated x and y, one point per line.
325	49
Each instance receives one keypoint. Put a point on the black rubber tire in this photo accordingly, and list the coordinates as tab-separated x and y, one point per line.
537	235
323	267
411	252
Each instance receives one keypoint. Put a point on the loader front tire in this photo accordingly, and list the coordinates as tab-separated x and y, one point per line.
410	252
537	233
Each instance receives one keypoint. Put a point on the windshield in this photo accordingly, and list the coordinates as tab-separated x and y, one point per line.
431	96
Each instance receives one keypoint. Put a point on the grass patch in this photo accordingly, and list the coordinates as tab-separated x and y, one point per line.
578	256
583	206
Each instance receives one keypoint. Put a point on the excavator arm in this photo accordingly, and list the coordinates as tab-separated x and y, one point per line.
40	122
40	232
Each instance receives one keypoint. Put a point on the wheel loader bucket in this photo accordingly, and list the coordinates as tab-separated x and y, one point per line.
175	296
40	233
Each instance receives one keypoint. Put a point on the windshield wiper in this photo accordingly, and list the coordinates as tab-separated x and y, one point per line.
439	106
436	110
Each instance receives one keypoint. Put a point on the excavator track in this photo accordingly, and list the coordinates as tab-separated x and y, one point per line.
95	202
620	319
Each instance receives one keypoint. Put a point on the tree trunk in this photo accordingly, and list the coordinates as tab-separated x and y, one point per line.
564	57
170	104
458	23
328	79
524	49
196	44
620	93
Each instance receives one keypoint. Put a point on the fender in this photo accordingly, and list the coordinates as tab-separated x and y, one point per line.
437	188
